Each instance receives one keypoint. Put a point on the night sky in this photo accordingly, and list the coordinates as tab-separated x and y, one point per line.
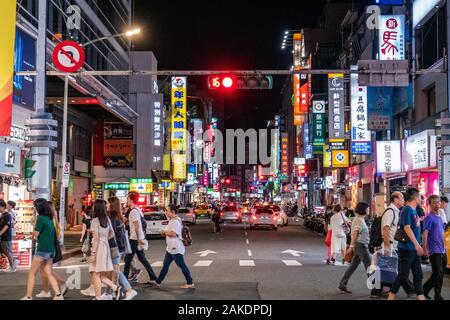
217	34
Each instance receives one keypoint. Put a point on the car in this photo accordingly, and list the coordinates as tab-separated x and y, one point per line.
246	217
263	217
283	220
187	215
149	209
156	221
230	213
202	211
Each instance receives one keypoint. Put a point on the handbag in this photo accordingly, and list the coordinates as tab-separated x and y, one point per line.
345	226
349	256
401	235
86	248
58	252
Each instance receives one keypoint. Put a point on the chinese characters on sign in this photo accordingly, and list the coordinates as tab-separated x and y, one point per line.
284	154
157	132
118	148
336	107
392	37
359	123
319	123
389	157
417	151
179	115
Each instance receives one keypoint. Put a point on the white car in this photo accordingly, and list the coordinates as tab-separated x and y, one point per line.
156	221
282	220
187	215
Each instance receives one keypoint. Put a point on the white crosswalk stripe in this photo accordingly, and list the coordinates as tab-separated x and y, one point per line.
292	263
203	263
247	263
157	264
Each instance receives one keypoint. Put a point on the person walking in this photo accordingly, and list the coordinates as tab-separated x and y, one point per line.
86	220
137	237
389	226
433	243
45	235
442	214
410	252
118	225
175	249
339	227
11	207
6	236
100	260
359	245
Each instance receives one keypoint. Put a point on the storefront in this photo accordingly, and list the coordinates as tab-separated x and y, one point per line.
116	189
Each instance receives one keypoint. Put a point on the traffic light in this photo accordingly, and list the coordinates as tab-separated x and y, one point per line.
230	82
227	181
28	171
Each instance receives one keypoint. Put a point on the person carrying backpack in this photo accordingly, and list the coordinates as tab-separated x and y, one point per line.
382	236
177	238
137	238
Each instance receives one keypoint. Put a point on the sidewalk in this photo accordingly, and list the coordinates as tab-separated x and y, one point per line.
72	244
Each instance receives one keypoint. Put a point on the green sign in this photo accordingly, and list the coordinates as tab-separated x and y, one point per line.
141	180
318	129
117	186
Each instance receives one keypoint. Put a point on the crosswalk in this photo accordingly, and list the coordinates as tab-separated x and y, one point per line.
241	263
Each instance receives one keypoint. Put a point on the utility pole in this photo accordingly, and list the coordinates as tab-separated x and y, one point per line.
446	149
41	182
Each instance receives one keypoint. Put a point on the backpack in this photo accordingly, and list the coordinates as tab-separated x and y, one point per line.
120	233
186	237
376	234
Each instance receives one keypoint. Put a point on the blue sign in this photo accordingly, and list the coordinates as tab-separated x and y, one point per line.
361	148
380	108
309	150
24	60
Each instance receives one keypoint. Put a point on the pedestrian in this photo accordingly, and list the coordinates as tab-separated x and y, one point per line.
421	214
45	292
433	243
6	236
389	225
328	245
340	228
410	251
359	245
118	224
175	249
216	220
11	207
442	214
45	235
85	232
100	260
135	272
137	237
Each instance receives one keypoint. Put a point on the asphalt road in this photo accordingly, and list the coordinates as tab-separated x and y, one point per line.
237	264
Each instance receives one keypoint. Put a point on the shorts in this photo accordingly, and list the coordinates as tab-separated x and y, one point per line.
6	247
116	261
338	244
44	255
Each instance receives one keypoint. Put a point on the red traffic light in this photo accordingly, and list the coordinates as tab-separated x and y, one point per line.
227	181
221	82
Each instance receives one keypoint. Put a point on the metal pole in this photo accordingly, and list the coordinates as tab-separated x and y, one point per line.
41	182
446	149
62	204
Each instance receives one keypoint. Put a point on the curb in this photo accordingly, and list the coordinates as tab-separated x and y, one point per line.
71	253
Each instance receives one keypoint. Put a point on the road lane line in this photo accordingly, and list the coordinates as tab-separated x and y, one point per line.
292	263
246	263
157	264
246	241
203	263
249	253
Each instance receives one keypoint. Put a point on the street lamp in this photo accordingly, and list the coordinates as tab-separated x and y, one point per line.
127	34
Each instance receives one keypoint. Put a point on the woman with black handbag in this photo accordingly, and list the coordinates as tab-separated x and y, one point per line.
48	250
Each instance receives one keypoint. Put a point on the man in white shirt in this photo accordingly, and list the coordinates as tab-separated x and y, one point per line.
441	212
137	237
175	249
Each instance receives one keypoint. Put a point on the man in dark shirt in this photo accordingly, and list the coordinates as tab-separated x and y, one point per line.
6	236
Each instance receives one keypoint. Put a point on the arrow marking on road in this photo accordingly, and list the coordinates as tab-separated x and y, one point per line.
295	253
205	253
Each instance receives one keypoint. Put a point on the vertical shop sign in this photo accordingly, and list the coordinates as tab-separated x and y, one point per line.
360	134
336	107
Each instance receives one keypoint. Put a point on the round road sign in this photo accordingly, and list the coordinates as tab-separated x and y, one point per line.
68	56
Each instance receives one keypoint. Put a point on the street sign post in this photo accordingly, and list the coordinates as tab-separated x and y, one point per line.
68	56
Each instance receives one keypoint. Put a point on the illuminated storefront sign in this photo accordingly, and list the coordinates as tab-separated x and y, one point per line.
157	133
284	154
117	186
179	166
326	156
360	134
179	115
340	158
336	107
429	185
417	152
391	37
141	185
389	157
318	123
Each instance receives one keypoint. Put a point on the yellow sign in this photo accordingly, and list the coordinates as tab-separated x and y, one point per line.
340	158
179	166
7	38
326	156
142	187
179	114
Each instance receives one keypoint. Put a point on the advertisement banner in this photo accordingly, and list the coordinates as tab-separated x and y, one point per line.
391	37
360	135
340	158
285	154
179	114
326	156
24	60
304	93
157	132
336	107
7	39
389	157
179	167
118	153
10	157
380	105
416	152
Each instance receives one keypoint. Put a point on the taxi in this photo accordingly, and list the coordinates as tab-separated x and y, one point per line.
202	211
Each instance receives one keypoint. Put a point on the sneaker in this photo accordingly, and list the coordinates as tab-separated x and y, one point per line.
63	289
135	276
26	298
344	290
130	294
105	296
89	292
60	297
15	264
188	286
328	261
118	293
44	294
83	260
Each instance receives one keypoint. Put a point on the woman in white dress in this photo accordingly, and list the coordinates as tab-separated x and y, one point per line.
101	262
339	224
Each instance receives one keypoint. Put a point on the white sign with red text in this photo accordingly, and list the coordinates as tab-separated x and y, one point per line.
392	37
